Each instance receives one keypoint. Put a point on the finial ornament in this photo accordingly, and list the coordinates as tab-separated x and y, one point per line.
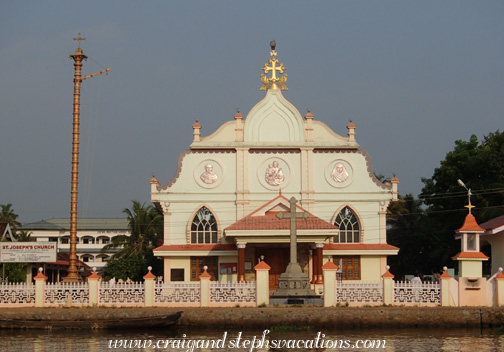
79	38
469	194
273	82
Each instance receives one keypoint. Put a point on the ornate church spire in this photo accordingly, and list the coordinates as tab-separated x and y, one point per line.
274	82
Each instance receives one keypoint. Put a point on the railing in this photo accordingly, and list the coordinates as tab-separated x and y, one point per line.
417	292
365	292
177	293
233	292
65	293
17	294
121	293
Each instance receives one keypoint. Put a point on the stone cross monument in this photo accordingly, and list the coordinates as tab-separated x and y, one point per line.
294	284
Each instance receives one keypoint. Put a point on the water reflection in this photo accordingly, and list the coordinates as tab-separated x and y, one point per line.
414	340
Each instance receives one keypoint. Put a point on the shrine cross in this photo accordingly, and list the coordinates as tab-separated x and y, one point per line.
293	215
79	38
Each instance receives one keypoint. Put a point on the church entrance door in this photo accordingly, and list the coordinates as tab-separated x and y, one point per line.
277	259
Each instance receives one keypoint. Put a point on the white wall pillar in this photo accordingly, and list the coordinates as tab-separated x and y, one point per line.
330	290
40	282
205	288
388	287
149	288
262	281
94	287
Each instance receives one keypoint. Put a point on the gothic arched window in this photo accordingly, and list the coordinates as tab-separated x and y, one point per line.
204	227
349	228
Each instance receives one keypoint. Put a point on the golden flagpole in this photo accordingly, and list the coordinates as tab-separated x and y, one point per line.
78	57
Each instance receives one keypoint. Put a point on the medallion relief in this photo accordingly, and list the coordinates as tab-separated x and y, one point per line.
274	173
208	173
339	173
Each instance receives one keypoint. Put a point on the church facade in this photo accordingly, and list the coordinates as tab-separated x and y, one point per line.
220	207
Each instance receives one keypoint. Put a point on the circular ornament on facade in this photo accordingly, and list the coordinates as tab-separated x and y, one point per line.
209	173
339	173
274	173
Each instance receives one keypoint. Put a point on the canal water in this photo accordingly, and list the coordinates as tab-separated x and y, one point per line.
408	340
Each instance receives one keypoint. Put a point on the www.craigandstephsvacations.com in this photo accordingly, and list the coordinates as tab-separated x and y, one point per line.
239	342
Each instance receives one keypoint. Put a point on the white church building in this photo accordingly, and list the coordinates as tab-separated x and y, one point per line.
220	207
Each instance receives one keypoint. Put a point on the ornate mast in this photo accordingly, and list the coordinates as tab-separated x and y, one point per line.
274	82
78	57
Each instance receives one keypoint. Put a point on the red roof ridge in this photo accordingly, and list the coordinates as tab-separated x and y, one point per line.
470	255
471	225
262	265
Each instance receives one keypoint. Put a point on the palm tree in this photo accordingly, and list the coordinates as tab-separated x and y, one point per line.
145	225
23	236
7	215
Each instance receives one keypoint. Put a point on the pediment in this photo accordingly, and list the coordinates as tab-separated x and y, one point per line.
274	119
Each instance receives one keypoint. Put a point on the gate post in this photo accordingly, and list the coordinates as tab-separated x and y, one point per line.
94	282
205	288
329	271
388	287
149	288
262	281
40	283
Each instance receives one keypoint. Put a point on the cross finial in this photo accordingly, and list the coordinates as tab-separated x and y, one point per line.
79	38
274	82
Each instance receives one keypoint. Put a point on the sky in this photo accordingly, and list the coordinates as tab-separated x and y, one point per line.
414	76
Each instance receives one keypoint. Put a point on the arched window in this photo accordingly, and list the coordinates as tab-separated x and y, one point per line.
349	228
204	227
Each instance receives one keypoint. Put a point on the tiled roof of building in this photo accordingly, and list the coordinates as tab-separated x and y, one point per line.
197	247
82	224
494	223
359	246
264	219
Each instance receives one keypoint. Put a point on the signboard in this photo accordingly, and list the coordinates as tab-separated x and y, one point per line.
27	252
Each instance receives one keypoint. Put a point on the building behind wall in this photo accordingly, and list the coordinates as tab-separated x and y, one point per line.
92	235
220	207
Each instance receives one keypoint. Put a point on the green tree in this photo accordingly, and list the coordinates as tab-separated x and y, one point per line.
406	221
8	215
23	236
146	230
133	267
481	167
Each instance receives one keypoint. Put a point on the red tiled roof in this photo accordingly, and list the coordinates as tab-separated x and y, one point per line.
196	247
269	220
470	255
494	223
262	265
359	246
470	224
330	265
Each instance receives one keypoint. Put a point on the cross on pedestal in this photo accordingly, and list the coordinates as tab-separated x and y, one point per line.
294	284
293	215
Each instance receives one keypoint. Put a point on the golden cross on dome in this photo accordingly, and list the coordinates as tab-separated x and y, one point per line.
469	206
79	38
274	81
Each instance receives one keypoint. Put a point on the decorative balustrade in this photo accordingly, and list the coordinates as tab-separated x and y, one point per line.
60	293
17	293
233	292
417	292
206	293
121	293
177	292
366	292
